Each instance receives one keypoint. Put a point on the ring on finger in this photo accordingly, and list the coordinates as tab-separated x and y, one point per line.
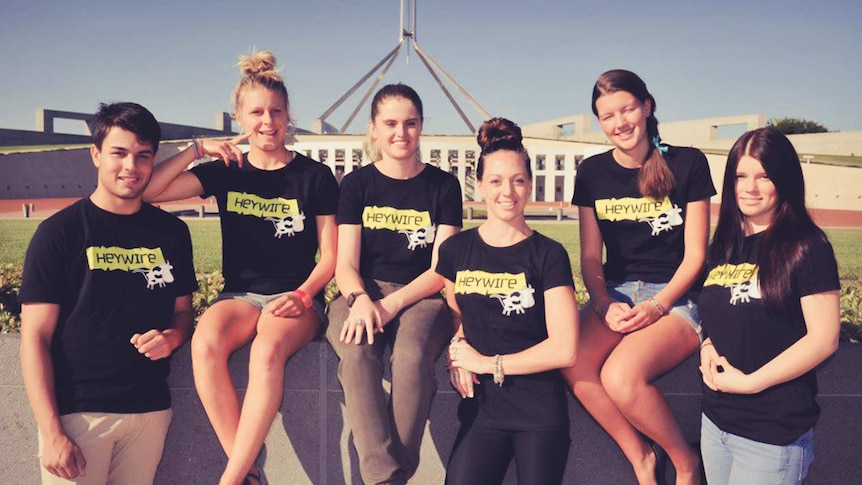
360	321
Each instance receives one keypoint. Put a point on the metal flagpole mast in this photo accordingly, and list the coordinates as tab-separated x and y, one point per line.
407	35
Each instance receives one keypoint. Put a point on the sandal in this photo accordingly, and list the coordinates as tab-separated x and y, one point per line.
660	462
253	477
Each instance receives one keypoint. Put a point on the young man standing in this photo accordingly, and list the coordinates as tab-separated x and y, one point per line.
106	299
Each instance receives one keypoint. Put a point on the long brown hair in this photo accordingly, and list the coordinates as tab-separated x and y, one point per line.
791	233
655	178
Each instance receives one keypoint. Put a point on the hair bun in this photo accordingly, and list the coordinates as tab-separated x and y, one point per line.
259	64
498	130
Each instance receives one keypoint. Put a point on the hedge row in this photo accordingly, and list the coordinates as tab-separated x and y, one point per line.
211	283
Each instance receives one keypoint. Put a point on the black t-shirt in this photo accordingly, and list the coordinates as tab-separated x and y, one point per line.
399	219
501	295
644	238
268	221
737	322
112	276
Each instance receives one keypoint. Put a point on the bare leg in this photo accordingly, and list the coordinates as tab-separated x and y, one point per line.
224	327
595	344
277	339
627	376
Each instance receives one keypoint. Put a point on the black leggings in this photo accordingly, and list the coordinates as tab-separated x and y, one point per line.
482	456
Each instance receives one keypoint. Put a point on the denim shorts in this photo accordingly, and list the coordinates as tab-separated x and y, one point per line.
259	301
634	292
732	459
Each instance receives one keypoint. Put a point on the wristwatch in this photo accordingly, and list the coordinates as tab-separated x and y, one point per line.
351	298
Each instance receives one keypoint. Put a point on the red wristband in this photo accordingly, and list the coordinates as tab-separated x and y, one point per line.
307	302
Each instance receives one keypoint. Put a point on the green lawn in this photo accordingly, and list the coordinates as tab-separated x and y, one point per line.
206	238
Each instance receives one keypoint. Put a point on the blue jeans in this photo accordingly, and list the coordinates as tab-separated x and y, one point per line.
636	291
259	301
734	460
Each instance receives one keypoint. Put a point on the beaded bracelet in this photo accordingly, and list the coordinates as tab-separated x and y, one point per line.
197	150
498	370
661	309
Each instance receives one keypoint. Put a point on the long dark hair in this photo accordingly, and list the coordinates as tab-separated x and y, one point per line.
791	233
655	178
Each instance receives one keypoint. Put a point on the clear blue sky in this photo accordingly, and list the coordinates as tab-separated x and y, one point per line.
526	60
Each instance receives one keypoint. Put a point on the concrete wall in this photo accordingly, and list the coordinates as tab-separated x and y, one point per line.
308	442
838	143
11	138
703	133
56	173
826	186
45	134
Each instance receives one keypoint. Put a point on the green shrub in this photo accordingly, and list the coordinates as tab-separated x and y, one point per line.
10	309
851	311
209	286
211	283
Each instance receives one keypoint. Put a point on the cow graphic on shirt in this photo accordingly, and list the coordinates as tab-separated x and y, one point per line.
160	275
665	221
744	292
742	280
518	301
511	290
288	225
420	237
416	225
149	262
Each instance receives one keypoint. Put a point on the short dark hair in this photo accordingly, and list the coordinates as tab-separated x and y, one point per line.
131	117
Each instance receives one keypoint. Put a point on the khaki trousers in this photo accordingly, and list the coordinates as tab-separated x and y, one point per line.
387	430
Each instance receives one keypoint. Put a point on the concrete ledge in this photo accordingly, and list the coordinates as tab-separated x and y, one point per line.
308	442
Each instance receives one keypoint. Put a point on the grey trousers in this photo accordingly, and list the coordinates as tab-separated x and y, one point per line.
387	431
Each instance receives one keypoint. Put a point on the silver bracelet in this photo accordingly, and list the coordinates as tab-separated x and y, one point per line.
662	312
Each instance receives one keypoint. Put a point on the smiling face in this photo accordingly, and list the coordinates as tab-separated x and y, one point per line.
623	117
505	185
396	129
756	195
124	166
263	112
